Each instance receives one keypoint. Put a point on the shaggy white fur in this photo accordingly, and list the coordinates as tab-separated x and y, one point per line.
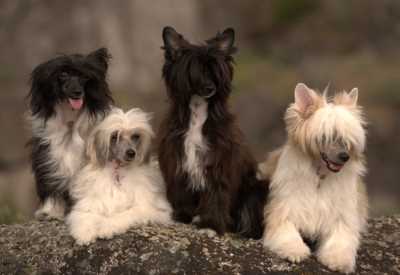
195	145
107	204
331	210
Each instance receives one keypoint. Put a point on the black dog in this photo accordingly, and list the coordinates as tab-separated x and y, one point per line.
208	171
69	95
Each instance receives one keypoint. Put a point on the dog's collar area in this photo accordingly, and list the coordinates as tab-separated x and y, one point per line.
70	124
116	165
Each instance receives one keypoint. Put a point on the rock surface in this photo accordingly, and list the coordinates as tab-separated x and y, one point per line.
46	248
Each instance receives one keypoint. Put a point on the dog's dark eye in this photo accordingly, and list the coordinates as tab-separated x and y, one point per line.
114	137
135	137
63	77
83	80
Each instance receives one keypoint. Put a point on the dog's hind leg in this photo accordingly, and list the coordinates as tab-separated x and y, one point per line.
249	220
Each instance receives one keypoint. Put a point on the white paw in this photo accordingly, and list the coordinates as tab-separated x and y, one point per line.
84	238
338	259
83	234
45	214
107	233
84	241
52	208
295	251
208	232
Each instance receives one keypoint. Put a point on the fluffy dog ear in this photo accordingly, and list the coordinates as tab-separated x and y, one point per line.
97	147
353	96
303	96
145	145
224	41
44	88
101	57
349	99
306	100
173	42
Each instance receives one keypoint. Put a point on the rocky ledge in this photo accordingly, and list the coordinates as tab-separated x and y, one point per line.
46	248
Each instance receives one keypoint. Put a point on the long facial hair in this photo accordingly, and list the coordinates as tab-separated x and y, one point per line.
193	69
314	122
46	90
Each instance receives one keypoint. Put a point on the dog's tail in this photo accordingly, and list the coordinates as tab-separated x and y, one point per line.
249	217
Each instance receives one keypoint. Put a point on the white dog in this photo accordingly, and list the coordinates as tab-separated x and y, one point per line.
119	187
316	190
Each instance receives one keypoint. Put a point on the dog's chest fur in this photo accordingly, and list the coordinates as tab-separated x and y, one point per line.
195	144
313	204
64	134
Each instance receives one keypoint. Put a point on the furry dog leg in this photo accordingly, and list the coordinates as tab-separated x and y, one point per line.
286	241
184	201
214	209
84	226
249	219
120	223
338	249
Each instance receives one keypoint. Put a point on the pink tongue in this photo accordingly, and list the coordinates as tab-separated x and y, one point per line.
76	103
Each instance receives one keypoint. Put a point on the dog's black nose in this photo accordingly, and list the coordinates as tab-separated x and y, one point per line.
343	156
130	154
76	94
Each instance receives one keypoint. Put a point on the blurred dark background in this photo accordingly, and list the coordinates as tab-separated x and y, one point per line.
281	42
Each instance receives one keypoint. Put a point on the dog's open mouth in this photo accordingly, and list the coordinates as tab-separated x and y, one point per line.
76	104
332	166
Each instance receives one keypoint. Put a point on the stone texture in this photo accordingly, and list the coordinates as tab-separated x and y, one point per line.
46	248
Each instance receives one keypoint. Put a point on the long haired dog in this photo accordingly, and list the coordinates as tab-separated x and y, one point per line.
209	172
119	187
316	190
68	95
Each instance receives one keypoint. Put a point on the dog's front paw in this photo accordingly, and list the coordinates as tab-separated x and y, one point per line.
107	232
295	251
338	259
215	225
208	232
46	214
182	216
84	241
83	236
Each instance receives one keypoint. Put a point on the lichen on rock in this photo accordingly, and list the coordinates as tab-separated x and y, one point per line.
47	248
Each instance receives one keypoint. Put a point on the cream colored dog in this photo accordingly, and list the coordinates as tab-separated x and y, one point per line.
316	189
120	187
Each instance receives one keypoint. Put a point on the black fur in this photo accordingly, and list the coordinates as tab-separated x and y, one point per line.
56	81
233	199
46	89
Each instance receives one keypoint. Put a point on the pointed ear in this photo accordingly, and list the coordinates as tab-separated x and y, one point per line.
348	99
100	57
173	41
224	41
304	97
353	96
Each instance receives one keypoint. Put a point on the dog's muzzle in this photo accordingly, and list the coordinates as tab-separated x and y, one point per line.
335	166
